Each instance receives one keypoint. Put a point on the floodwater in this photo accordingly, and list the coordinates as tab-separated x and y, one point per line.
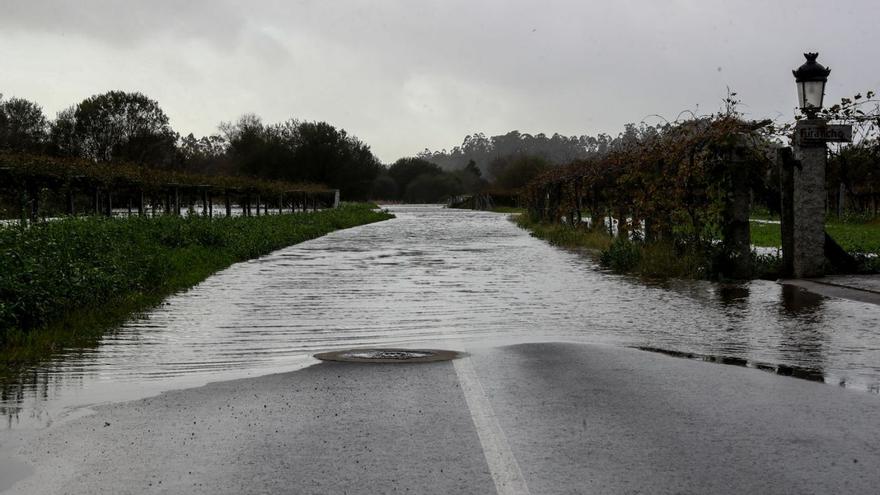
446	279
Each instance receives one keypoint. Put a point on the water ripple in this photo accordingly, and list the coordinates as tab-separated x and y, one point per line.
435	274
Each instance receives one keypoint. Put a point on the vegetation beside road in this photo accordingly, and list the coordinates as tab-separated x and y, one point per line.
666	260
63	278
655	260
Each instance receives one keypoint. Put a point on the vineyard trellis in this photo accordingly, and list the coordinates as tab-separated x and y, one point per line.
33	184
687	183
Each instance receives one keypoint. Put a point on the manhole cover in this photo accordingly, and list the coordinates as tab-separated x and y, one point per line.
388	355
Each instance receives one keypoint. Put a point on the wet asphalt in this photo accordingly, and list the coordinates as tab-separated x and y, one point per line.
554	418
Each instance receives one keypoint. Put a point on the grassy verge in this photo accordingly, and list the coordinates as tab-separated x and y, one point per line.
564	236
657	260
65	282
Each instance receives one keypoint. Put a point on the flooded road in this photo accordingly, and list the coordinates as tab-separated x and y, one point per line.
442	277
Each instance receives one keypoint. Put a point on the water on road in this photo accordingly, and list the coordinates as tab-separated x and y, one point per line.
441	278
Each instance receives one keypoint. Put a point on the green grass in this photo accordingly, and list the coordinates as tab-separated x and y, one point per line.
766	234
854	237
68	281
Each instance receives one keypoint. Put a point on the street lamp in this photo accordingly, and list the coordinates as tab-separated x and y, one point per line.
811	78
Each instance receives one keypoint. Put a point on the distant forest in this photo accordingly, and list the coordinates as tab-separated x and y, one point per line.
510	161
555	150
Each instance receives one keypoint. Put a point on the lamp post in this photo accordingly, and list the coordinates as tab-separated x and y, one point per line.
805	232
802	177
811	78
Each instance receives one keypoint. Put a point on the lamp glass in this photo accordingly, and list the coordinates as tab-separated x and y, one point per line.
811	94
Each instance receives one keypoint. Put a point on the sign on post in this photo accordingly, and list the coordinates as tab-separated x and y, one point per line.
820	134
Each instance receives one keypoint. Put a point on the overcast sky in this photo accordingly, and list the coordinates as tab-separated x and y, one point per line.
409	74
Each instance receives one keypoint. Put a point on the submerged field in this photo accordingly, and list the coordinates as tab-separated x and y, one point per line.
63	280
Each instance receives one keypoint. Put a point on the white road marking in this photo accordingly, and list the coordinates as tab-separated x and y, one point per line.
502	464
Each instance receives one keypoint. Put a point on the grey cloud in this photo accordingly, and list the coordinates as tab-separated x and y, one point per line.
123	22
404	75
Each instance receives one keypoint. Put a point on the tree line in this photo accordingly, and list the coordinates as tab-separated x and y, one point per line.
511	161
130	127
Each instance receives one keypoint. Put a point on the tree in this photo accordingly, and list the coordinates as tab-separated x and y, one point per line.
259	150
302	151
471	178
116	126
63	140
406	170
206	155
384	187
431	188
515	172
22	125
473	169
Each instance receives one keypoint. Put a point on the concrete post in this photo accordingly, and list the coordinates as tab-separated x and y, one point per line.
808	201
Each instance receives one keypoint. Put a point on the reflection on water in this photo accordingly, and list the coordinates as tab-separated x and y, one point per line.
434	274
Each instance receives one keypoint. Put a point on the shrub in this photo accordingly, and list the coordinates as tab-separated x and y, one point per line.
621	256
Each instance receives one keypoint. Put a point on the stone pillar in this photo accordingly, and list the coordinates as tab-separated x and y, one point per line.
785	163
736	231
808	205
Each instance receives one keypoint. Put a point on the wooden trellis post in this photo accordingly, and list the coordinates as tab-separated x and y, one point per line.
71	206
204	201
